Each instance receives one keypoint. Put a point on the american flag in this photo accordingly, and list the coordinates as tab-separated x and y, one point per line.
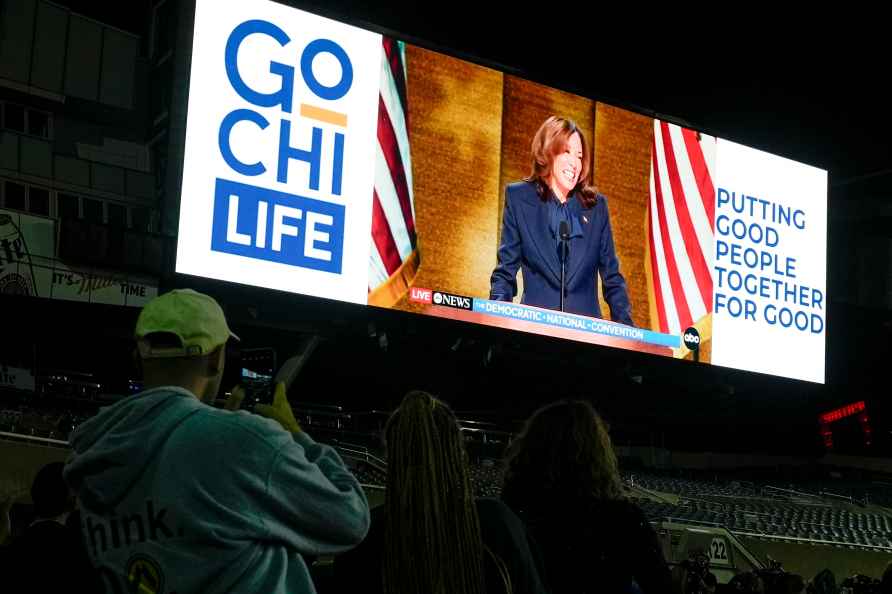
680	226
394	255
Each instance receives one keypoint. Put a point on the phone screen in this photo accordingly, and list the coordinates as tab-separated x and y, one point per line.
257	369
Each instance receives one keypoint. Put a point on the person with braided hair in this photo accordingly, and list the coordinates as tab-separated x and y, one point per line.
432	536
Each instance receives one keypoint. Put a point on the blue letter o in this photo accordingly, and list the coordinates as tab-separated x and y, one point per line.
306	69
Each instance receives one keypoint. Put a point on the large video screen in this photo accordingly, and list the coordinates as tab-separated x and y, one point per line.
331	161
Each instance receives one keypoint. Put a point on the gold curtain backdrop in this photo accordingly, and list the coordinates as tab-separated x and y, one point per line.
470	130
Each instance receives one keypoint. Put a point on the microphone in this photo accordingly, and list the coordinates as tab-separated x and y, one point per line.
564	232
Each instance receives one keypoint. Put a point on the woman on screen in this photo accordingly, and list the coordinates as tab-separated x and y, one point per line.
557	196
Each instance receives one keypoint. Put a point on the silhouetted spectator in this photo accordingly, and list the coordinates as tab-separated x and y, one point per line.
692	576
431	536
747	583
562	480
823	583
178	496
50	556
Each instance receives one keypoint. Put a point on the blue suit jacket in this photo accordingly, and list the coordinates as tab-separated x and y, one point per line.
528	243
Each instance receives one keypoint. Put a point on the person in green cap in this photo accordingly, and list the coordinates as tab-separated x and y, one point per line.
178	496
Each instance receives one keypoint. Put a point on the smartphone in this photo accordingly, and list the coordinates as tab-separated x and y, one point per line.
257	369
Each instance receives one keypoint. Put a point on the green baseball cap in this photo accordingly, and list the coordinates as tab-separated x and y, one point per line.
194	318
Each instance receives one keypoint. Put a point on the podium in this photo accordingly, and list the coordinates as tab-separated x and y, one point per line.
546	322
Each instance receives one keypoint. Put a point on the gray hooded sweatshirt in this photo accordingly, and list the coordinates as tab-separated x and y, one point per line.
179	497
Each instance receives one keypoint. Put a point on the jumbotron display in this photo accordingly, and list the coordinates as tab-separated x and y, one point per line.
331	161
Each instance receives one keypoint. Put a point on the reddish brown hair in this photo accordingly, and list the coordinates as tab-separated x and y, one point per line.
564	451
550	140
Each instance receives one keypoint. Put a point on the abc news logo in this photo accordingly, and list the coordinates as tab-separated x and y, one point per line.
419	295
691	339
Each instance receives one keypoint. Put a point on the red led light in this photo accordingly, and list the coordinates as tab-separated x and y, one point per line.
843	412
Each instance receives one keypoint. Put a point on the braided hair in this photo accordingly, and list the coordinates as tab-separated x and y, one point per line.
432	542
